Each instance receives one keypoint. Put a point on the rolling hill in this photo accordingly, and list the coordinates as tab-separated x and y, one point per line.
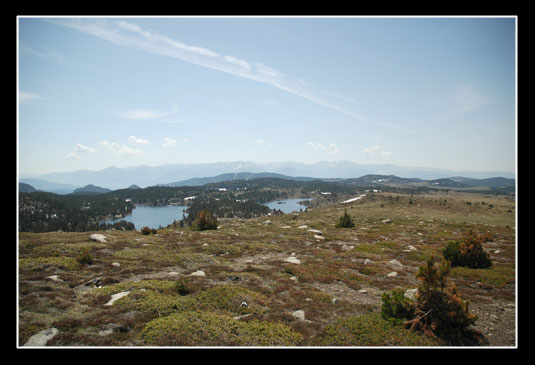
119	178
91	189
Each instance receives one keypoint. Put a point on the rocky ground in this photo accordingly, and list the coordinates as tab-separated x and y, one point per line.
289	280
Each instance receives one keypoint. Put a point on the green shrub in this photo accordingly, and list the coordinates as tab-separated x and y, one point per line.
467	252
145	231
183	287
224	299
371	330
153	231
345	221
199	328
205	220
85	258
155	303
396	307
228	299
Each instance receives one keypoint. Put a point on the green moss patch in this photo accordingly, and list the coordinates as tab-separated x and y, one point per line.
370	248
58	249
69	263
161	256
498	275
370	330
219	249
228	298
201	328
159	297
155	285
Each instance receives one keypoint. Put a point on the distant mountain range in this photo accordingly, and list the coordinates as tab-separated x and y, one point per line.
49	186
497	183
199	181
202	173
26	188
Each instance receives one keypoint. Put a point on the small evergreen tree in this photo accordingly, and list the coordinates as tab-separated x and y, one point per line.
205	220
438	310
468	252
145	231
345	221
85	258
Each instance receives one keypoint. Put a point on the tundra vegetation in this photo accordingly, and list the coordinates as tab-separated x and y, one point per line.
294	279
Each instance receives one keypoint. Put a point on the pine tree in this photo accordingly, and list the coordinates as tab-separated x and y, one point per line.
205	220
468	252
345	221
437	310
440	311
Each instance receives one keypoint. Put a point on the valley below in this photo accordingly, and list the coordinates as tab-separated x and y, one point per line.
280	280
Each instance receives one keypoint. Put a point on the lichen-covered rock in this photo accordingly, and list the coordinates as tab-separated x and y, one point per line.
198	273
98	237
117	296
293	260
41	338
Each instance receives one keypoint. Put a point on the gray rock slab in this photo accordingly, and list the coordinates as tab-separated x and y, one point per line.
293	260
198	273
41	338
117	296
98	237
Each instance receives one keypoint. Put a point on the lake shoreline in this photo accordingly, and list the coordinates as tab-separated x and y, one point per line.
164	215
151	216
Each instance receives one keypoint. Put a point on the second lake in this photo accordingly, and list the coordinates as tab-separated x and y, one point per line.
287	205
154	217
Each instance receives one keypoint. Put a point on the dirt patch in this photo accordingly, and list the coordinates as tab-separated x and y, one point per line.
497	321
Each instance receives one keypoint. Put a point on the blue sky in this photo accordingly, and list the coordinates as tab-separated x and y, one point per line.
423	92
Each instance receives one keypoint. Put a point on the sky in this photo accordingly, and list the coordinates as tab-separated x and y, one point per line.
95	92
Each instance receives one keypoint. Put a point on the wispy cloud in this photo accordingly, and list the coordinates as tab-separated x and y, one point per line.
376	151
168	142
72	156
45	53
138	141
121	149
84	149
80	149
331	147
145	113
127	34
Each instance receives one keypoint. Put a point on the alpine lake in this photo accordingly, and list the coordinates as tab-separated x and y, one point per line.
156	217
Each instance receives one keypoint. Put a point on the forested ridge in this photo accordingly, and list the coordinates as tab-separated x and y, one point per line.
45	212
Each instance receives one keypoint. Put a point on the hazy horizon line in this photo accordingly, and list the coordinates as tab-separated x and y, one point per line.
36	174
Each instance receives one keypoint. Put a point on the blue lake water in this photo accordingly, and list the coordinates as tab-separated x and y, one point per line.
153	217
287	205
